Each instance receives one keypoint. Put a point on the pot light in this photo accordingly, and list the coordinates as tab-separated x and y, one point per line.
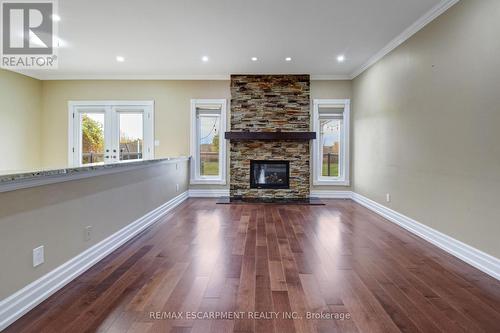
254	59
120	59
341	58
288	59
204	58
56	18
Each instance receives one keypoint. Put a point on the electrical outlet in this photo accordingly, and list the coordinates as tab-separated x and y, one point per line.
177	187
388	197
88	233
38	256
157	143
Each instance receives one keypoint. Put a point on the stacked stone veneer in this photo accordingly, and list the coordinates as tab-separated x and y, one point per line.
261	103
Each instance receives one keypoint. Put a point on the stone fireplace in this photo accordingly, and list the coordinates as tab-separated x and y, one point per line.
270	137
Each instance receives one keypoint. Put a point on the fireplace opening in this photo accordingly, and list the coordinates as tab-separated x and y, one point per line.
270	174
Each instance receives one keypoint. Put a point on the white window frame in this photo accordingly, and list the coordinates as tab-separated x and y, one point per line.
196	178
110	109
344	156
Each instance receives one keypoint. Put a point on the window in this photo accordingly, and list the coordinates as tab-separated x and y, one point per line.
109	132
331	148
208	146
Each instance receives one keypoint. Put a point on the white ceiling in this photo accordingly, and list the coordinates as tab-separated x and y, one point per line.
167	38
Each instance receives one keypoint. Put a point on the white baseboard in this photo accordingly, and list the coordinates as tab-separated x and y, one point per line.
474	257
326	194
208	193
16	305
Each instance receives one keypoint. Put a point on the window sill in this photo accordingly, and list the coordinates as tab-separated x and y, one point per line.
336	182
201	181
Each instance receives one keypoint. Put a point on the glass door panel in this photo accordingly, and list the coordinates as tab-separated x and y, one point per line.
131	132
92	138
110	134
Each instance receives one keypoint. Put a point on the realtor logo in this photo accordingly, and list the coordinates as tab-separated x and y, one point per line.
28	35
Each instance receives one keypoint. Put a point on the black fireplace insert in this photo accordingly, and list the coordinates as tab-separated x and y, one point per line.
270	174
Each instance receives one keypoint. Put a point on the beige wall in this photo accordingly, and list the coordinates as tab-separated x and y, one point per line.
56	215
172	103
20	115
341	89
425	123
427	126
172	106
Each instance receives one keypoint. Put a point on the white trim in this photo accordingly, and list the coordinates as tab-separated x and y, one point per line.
19	303
50	77
330	77
480	260
327	194
419	24
221	77
65	176
209	193
84	103
110	109
195	178
333	182
345	156
425	19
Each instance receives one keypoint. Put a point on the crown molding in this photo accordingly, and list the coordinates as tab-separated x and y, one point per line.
50	77
222	77
330	77
33	74
427	18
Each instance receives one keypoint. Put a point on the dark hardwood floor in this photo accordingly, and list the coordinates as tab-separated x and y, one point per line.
337	260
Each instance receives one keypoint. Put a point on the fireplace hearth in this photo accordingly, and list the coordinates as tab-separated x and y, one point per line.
270	174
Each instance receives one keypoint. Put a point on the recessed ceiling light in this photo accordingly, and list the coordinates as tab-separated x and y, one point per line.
341	58
120	59
288	59
56	18
254	59
204	58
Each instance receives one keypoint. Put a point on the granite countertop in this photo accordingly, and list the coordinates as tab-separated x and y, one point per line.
36	175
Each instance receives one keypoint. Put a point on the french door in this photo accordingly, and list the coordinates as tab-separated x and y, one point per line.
110	132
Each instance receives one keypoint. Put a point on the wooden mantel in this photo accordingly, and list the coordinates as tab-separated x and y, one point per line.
270	136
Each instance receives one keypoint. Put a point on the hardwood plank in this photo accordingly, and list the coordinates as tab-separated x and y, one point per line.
289	260
226	303
263	294
282	305
246	295
277	276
